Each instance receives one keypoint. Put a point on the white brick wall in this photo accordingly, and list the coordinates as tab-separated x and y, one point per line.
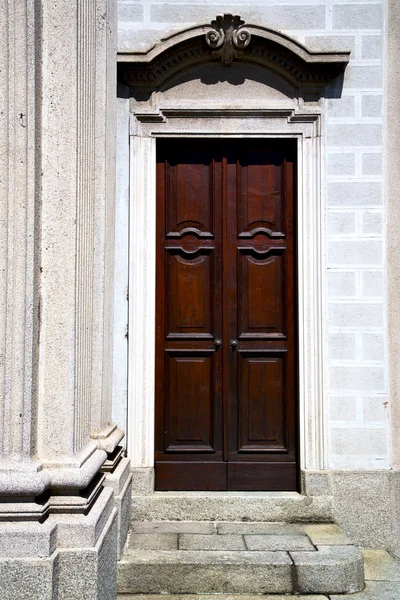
355	339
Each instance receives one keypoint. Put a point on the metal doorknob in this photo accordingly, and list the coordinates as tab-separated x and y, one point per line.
217	344
233	344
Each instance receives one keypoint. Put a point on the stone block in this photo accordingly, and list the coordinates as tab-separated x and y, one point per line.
123	504
340	223
342	346
380	566
202	527
342	408
194	572
27	539
372	164
142	481
316	483
276	543
359	77
188	541
357	16
341	107
354	135
354	252
326	534
341	283
279	17
363	506
221	597
371	106
330	43
260	528
333	569
341	164
375	409
130	12
376	590
355	315
153	541
90	573
356	378
231	506
372	284
372	222
359	441
354	193
84	531
373	347
28	579
371	46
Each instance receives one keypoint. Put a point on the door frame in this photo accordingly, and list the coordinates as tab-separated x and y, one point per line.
145	128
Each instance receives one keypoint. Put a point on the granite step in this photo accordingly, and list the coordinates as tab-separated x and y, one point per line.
239	558
232	506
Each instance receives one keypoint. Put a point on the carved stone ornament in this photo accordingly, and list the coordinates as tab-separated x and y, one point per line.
229	37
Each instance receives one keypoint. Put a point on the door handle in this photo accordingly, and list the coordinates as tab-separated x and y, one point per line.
217	344
233	344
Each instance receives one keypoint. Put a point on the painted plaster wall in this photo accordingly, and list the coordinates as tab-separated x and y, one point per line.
355	383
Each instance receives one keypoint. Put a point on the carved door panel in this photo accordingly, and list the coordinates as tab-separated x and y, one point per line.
225	330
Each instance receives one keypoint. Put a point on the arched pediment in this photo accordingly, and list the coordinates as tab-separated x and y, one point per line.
228	40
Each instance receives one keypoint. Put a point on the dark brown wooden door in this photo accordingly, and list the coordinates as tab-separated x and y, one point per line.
226	395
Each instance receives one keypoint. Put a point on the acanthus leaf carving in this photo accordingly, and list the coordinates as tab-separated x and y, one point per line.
228	38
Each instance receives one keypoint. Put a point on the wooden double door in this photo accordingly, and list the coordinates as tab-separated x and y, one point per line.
226	347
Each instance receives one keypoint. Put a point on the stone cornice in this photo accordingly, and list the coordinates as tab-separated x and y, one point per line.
263	46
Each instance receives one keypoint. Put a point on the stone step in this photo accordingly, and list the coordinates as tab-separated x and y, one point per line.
242	558
232	506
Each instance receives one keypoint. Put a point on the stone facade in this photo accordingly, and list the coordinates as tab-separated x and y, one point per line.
65	482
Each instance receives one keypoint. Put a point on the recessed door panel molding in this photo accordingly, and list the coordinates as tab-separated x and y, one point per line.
226	344
189	191
190	395
261	288
262	398
190	299
260	190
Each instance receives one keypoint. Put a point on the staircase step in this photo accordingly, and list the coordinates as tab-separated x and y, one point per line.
255	558
232	506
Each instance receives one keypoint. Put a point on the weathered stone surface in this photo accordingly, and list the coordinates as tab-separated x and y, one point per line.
278	542
220	597
260	528
326	534
380	566
204	527
198	572
333	569
232	506
374	590
211	542
156	541
25	579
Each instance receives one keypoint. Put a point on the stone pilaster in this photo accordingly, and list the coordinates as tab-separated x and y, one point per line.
64	485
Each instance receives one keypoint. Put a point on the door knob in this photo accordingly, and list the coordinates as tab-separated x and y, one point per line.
217	344
233	344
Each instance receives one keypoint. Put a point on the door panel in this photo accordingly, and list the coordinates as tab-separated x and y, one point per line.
226	392
261	289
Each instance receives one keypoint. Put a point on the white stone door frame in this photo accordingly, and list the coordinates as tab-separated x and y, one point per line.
146	127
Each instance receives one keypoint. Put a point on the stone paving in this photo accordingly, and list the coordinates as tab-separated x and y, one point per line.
241	558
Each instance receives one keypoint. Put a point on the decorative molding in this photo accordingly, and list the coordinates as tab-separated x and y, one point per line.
281	123
228	38
271	49
85	194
